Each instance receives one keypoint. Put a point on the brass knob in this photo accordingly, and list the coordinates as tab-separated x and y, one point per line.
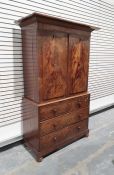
54	111
55	138
54	125
79	104
79	127
85	99
54	64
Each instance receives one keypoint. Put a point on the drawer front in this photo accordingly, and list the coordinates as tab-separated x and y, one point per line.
51	141
62	107
53	110
57	123
80	102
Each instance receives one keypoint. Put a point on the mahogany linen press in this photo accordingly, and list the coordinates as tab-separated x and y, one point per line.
56	99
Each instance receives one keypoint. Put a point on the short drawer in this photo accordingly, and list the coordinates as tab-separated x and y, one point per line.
57	138
53	110
62	107
80	102
60	122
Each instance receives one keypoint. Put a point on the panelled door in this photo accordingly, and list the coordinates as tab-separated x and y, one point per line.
53	48
78	63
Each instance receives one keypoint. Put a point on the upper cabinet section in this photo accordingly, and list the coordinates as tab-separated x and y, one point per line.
55	57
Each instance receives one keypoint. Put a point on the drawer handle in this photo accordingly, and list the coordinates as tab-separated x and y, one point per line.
55	138
79	104
86	99
54	125
78	127
54	111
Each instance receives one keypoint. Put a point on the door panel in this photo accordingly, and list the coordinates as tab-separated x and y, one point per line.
78	64
53	55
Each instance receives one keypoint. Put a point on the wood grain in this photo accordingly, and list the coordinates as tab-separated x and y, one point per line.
62	121
78	64
56	138
53	53
62	107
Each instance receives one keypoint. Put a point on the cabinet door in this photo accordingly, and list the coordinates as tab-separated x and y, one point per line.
78	64
53	55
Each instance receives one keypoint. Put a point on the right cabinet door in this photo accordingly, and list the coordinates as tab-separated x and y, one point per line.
78	64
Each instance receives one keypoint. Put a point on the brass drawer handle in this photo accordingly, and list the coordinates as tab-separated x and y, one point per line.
54	125
78	128
54	111
86	99
79	104
55	138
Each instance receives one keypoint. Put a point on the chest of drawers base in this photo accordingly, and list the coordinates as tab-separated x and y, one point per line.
52	125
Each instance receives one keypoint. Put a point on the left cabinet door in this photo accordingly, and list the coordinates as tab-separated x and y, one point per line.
52	54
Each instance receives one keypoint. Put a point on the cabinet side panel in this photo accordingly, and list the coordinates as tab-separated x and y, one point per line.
31	124
30	65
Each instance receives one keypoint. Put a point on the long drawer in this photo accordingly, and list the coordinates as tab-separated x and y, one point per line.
51	141
58	108
60	122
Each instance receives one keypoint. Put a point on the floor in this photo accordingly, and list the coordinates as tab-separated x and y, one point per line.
89	156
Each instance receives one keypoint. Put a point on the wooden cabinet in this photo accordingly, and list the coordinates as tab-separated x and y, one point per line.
56	100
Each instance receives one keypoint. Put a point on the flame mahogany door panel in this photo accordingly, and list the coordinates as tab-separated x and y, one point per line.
53	57
78	64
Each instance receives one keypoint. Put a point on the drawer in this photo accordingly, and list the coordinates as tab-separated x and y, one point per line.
60	122
51	141
58	108
54	110
80	102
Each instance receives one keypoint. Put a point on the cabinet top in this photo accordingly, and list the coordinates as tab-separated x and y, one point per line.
42	18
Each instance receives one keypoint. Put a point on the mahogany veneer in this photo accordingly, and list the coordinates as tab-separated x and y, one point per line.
56	101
